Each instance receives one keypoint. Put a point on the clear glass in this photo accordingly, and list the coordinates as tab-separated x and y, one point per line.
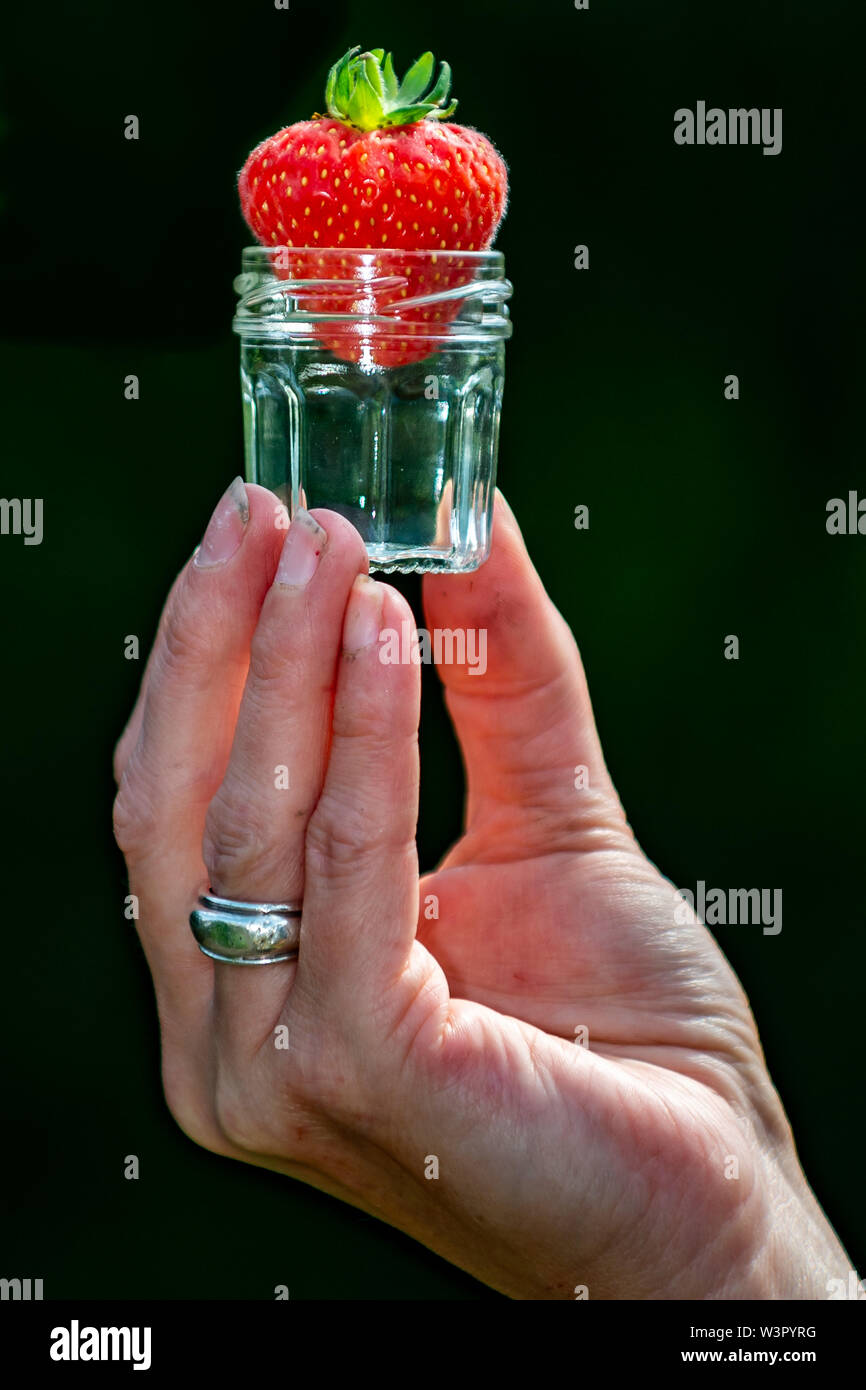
372	384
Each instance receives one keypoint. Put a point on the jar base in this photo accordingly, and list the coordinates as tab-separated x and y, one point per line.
395	559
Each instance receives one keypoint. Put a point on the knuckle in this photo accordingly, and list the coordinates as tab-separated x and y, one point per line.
235	839
120	758
337	837
181	642
133	819
364	721
342	836
271	657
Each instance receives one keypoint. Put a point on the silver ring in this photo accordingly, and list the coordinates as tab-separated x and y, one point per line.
246	933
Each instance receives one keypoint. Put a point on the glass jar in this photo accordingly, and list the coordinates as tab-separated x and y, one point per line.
372	384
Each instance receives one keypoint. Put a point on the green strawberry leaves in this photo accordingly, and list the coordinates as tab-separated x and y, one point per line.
416	79
364	105
392	86
362	90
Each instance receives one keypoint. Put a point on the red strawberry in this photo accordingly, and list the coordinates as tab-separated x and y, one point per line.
378	173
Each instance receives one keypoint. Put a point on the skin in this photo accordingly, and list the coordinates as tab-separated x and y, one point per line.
412	1035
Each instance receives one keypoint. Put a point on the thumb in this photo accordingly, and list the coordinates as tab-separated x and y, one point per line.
525	723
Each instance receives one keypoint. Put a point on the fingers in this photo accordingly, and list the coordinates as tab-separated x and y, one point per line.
361	900
256	823
194	682
526	723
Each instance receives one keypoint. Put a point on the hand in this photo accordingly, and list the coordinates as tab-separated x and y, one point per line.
415	1037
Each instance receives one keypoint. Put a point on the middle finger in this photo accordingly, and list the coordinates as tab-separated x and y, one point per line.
256	823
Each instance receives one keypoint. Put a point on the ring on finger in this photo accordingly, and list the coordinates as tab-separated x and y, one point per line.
245	933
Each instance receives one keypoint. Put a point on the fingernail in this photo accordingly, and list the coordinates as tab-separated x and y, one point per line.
363	615
225	529
301	552
505	504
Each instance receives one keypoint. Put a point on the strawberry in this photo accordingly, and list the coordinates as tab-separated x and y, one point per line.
383	173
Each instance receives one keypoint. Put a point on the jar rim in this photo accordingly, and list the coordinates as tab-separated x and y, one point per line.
253	257
379	293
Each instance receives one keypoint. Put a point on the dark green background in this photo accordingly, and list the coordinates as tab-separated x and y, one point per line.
707	518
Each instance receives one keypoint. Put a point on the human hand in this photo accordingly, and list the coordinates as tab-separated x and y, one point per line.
558	1165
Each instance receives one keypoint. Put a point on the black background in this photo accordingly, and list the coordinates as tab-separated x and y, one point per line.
707	518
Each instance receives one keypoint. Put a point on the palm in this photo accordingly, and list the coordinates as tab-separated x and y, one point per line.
597	940
534	948
558	942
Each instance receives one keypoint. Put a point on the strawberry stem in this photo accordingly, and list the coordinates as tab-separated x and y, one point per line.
362	90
